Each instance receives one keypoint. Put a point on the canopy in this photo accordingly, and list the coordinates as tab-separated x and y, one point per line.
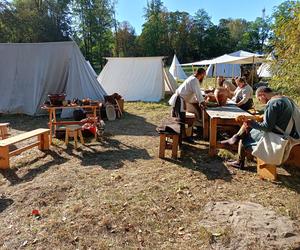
136	78
176	70
31	71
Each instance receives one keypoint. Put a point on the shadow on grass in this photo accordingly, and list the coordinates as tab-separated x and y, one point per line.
131	125
198	160
292	180
5	203
14	179
109	154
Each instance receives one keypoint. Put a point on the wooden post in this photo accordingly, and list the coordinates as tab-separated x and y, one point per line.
213	137
4	157
162	145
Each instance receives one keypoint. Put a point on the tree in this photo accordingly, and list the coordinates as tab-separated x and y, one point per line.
125	40
286	42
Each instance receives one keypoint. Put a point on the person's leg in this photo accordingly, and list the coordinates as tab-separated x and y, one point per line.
195	109
236	137
240	163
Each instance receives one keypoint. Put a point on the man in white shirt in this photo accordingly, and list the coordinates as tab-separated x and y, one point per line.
188	97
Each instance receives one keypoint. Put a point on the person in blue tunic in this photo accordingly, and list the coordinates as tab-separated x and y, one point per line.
278	112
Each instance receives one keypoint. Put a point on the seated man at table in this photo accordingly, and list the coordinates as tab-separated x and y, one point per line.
243	94
278	113
222	82
188	97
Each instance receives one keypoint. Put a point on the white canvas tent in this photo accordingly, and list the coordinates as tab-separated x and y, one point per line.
228	65
264	69
176	70
136	78
31	71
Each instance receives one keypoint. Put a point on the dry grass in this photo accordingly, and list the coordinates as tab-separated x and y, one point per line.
118	194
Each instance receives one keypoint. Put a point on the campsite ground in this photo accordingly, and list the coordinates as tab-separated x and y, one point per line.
117	194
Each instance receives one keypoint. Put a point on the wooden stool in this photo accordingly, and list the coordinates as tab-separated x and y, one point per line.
4	130
166	144
266	171
73	131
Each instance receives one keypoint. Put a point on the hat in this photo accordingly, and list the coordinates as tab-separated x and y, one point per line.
110	112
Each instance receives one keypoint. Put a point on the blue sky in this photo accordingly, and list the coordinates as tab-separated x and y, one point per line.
133	10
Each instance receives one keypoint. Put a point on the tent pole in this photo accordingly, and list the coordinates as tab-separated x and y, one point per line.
252	73
216	75
232	65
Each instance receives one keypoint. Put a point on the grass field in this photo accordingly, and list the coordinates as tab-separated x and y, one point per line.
117	194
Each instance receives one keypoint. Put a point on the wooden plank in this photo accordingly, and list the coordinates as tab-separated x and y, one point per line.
205	120
226	112
4	157
213	137
20	150
22	137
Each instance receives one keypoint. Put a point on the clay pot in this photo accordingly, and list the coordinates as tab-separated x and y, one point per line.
221	95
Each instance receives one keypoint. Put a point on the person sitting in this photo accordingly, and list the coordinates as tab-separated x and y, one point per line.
218	97
243	94
188	97
278	113
222	82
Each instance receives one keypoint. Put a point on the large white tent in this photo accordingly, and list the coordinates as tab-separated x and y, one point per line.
176	70
228	65
31	71
136	78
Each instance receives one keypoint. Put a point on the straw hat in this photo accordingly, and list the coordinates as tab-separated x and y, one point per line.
110	112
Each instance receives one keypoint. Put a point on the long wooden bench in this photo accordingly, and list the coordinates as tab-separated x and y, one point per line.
43	144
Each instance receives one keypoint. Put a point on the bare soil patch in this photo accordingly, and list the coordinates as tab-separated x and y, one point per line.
118	194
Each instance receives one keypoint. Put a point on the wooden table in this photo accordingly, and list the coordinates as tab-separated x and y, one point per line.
217	116
52	116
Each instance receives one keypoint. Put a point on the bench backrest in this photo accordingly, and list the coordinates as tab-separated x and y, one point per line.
22	137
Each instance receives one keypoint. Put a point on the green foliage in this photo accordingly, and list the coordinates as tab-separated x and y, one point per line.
287	47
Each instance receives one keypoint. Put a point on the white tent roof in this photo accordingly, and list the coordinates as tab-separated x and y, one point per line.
228	59
136	78
176	70
31	71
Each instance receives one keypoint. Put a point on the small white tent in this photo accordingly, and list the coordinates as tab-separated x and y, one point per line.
31	71
264	69
136	78
176	70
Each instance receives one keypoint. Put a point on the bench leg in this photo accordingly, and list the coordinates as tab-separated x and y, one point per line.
175	141
75	134
4	157
266	171
44	141
162	145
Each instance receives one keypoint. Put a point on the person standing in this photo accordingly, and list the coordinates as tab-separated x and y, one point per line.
188	97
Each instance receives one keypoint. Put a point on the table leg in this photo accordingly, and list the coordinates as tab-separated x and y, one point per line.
213	137
205	125
50	125
95	119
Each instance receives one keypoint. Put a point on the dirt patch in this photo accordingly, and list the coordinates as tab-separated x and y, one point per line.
249	225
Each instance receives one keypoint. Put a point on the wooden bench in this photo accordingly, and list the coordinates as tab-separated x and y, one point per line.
269	172
42	143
